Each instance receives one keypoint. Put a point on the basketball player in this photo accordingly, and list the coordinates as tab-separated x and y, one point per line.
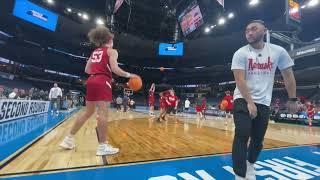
199	107
277	106
171	104
311	112
151	99
162	103
254	67
101	64
229	98
204	107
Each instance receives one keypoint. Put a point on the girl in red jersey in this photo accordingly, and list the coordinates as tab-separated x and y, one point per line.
204	107
171	104
311	112
199	107
151	99
229	98
163	96
101	64
162	101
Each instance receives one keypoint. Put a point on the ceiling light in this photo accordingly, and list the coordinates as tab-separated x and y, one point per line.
99	21
313	3
253	2
221	21
230	15
207	30
85	16
50	1
213	26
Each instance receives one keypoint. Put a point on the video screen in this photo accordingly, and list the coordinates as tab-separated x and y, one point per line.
35	14
190	19
294	11
166	49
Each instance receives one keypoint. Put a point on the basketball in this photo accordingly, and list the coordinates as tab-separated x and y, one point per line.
224	104
135	83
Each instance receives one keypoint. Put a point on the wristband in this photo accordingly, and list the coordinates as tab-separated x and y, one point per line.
128	75
293	99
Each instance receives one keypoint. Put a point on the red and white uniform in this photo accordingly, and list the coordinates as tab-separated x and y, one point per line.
151	98
163	98
229	99
310	109
171	101
162	102
99	83
199	103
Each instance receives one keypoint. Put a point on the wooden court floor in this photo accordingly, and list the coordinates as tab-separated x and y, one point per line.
141	138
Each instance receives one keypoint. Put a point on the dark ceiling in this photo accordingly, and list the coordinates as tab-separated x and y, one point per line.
137	38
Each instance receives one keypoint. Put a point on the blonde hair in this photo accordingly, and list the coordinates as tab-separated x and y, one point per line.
100	36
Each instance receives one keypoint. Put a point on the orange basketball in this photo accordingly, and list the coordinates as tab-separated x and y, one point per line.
224	104
135	83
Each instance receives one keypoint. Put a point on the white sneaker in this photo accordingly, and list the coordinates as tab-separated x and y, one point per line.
251	174
68	143
106	149
239	177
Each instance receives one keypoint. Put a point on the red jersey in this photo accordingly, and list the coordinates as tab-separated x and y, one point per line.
151	98
99	83
162	101
229	99
151	95
99	62
171	100
310	110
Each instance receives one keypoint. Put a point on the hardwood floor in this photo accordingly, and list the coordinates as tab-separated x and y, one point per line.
141	138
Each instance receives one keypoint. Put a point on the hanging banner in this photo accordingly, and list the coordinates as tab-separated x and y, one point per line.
221	2
117	5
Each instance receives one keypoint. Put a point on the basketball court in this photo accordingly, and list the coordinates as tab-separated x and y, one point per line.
185	45
192	149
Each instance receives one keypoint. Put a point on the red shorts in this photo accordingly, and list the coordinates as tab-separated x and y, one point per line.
99	88
151	101
198	108
162	105
310	115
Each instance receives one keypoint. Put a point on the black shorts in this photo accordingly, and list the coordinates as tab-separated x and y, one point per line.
170	109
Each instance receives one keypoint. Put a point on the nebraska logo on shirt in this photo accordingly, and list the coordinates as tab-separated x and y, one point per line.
257	65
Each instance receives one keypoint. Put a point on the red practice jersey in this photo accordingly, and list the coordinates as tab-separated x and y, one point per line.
99	62
171	100
229	99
